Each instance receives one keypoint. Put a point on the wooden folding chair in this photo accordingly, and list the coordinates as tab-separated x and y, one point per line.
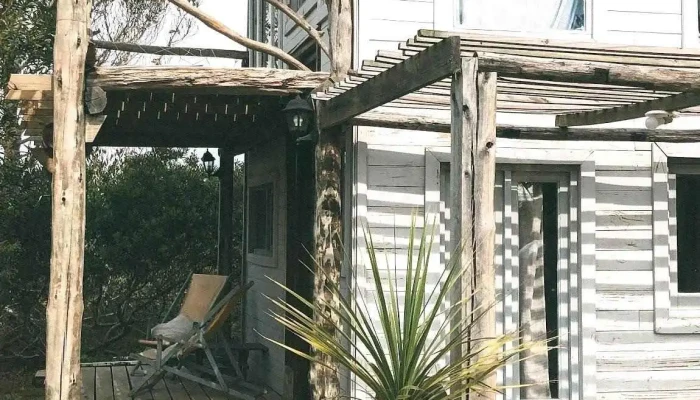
234	385
201	294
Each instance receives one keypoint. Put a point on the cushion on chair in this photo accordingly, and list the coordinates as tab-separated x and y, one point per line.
175	330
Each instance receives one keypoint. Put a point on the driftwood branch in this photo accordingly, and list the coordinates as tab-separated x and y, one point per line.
236	37
171	51
302	23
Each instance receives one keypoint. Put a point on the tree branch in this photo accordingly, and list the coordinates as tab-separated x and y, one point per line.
302	23
236	37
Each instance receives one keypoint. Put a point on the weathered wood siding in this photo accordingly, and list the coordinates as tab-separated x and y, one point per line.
632	361
642	22
267	165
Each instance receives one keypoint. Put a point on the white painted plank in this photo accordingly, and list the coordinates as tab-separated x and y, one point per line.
388	155
627	21
622	160
397	196
618	320
623	220
526	120
394	30
398	137
624	260
688	379
624	301
623	180
623	240
399	217
647	6
396	176
624	281
645	341
624	200
643	38
655	395
650	360
400	10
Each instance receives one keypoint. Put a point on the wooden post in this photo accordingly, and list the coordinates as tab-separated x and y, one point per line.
64	310
463	120
323	375
325	380
225	249
473	103
484	158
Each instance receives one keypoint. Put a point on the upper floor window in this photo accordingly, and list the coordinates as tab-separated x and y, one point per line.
523	15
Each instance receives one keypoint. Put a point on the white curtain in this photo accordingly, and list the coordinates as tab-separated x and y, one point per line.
534	369
522	15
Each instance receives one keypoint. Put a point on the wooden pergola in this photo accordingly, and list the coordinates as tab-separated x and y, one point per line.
581	83
171	106
467	78
232	109
471	78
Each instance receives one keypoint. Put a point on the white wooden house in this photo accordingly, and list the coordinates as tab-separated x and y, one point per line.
630	328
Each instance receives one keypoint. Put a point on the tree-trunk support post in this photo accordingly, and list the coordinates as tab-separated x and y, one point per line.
64	310
473	164
224	263
325	381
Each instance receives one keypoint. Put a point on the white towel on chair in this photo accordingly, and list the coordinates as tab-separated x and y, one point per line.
175	330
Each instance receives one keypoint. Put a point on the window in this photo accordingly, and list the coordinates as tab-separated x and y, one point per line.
545	263
309	53
684	180
533	214
260	220
523	15
676	238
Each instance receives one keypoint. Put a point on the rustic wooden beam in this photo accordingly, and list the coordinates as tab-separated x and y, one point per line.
621	113
656	78
93	124
564	50
435	63
171	51
440	124
64	309
224	80
244	81
29	82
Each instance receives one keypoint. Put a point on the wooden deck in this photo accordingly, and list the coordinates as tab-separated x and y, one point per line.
102	381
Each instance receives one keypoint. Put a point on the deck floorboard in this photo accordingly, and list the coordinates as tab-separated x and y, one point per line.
88	375
120	380
104	388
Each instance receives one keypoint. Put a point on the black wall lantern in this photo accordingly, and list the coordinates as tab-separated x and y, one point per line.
298	113
208	161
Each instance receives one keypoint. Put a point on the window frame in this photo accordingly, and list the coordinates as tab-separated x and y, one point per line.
509	269
674	312
582	227
252	257
446	17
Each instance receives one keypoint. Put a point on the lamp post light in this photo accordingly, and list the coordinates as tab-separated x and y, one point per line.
208	161
299	113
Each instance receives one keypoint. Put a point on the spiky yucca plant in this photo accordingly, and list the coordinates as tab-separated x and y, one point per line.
403	357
